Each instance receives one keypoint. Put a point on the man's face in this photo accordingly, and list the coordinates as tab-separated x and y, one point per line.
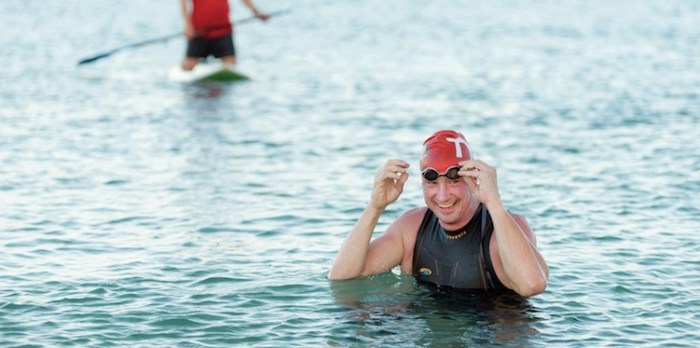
449	199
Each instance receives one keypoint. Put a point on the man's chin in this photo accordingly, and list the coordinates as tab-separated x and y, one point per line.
446	215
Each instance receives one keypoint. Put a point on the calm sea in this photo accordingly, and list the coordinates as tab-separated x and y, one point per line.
139	212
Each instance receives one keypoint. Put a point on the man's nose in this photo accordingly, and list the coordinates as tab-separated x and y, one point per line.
443	193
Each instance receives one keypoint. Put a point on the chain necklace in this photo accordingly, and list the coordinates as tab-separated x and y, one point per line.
458	235
465	230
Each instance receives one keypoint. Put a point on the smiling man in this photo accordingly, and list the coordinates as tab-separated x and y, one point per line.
464	238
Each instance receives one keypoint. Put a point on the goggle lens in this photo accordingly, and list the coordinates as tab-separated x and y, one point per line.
431	174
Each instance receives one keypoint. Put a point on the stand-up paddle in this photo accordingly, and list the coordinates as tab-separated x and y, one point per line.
132	45
160	39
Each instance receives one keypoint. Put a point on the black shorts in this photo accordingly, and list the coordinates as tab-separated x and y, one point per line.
202	48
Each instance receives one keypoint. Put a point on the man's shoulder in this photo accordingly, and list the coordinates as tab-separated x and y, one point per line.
521	220
406	226
413	216
409	218
524	226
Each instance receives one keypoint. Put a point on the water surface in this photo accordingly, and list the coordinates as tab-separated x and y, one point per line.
141	212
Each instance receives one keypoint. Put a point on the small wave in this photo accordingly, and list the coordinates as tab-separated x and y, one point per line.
177	322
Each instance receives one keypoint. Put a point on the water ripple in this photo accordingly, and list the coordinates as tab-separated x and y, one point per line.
142	213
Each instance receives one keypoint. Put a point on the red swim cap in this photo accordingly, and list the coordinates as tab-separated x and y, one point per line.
444	149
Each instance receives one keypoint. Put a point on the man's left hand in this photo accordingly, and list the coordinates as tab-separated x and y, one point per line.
482	179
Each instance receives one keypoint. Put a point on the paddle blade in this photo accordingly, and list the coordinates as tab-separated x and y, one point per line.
92	59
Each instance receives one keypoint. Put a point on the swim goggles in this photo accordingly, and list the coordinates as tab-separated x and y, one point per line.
431	174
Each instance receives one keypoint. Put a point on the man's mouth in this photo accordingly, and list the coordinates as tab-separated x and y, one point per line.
445	205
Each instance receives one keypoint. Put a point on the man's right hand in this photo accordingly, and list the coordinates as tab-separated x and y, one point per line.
388	183
262	16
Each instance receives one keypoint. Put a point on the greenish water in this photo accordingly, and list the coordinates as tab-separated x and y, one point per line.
135	211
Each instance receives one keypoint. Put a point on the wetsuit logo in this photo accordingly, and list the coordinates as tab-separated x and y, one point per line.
425	271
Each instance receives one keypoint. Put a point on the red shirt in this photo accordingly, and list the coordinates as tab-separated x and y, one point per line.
210	18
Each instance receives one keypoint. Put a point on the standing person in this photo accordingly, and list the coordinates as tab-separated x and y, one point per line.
463	238
209	30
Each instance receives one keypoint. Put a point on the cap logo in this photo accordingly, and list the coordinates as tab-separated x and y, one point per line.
457	141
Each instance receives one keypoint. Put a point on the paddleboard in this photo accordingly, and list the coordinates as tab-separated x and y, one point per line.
207	72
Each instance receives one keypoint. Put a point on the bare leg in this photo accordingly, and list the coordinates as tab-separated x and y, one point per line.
189	63
228	60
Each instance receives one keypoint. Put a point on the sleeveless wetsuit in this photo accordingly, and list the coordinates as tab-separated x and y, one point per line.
463	263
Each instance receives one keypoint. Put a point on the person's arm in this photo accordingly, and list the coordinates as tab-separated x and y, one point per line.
189	28
357	256
249	4
525	269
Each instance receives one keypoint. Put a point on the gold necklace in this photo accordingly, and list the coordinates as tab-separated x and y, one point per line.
458	235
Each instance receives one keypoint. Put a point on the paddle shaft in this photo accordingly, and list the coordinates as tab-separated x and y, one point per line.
163	38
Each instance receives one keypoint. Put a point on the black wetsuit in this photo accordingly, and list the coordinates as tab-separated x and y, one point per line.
463	263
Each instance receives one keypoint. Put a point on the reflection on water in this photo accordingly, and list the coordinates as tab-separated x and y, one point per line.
391	305
205	91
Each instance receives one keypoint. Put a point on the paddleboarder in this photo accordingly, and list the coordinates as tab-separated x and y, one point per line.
209	30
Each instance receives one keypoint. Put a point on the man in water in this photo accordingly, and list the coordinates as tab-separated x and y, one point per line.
209	30
464	238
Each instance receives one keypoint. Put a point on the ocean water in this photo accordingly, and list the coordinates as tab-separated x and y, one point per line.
139	212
